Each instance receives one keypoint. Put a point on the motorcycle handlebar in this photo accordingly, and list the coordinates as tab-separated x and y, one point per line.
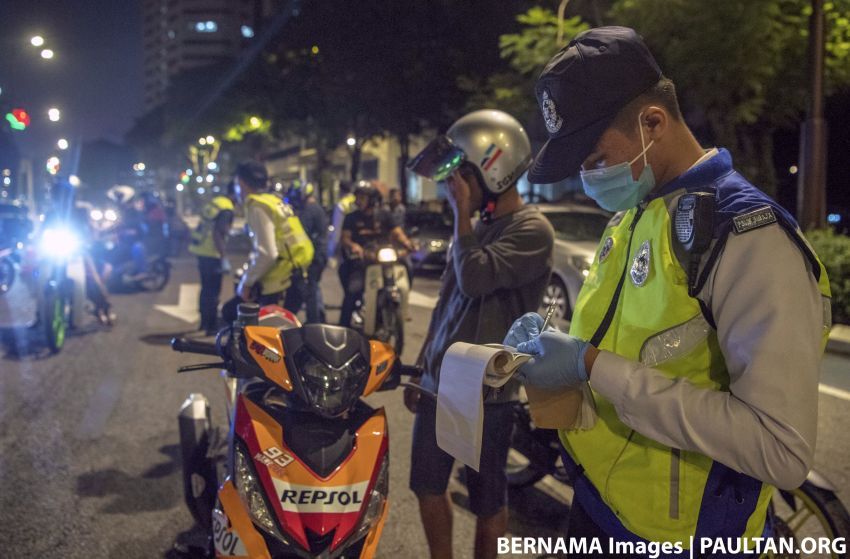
412	371
194	346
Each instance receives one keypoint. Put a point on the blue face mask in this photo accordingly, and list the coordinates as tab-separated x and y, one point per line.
614	188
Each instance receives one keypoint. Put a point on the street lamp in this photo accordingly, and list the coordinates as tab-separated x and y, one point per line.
351	141
210	140
47	54
54	114
37	41
62	144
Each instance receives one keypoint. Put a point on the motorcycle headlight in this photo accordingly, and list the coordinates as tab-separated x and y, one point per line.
331	391
248	487
59	242
377	502
581	264
387	255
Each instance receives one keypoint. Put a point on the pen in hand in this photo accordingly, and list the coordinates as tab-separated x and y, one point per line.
549	312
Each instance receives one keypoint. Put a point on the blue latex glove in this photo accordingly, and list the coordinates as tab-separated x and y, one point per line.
523	329
558	360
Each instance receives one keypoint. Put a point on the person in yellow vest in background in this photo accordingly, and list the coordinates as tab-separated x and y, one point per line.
281	247
700	326
208	244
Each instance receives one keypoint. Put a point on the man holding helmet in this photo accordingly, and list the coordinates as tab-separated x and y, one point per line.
497	270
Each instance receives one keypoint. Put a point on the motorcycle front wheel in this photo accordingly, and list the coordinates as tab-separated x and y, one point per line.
158	276
54	316
810	512
391	329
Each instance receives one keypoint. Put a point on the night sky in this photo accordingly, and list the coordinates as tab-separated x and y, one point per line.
94	78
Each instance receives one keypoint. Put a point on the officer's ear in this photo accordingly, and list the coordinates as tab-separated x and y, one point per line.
655	122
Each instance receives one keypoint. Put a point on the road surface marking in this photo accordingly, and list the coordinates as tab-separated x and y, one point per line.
186	308
836	392
417	299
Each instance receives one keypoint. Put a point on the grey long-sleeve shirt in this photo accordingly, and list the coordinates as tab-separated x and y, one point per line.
493	277
770	317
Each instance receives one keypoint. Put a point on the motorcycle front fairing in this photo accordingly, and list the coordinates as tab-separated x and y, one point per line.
318	487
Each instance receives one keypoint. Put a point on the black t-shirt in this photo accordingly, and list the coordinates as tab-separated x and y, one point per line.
369	229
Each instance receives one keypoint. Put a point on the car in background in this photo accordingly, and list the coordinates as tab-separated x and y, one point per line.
578	230
433	232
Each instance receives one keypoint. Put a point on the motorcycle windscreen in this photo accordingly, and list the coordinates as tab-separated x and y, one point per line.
438	159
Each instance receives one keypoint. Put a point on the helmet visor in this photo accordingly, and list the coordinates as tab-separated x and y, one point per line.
438	159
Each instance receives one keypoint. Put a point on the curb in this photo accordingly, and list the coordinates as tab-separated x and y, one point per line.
839	339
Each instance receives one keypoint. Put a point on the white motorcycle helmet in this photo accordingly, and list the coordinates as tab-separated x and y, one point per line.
493	142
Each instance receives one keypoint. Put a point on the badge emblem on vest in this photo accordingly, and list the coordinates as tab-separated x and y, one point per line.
640	265
606	249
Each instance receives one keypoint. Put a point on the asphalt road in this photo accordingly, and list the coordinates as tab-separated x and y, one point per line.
89	462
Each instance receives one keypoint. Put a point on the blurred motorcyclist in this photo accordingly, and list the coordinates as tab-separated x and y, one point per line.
343	207
306	290
364	229
281	247
208	244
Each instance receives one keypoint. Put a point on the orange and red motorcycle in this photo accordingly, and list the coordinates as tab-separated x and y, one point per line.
303	470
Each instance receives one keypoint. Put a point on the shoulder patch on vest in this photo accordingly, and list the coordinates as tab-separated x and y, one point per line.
754	219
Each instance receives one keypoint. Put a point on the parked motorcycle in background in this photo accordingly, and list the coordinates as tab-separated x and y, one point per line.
303	470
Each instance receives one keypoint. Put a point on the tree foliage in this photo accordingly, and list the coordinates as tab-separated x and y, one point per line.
741	66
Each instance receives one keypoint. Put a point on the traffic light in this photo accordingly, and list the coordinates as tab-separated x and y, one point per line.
18	119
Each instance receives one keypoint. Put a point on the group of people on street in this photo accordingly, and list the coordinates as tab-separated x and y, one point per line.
700	326
291	244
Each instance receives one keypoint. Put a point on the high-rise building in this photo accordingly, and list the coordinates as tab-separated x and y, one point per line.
181	35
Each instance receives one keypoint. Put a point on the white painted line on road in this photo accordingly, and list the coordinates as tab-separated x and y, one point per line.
421	300
835	392
186	308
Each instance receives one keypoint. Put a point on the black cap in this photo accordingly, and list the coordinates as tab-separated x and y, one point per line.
254	173
582	89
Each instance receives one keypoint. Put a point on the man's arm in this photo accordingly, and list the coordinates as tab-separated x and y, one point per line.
265	247
769	317
522	253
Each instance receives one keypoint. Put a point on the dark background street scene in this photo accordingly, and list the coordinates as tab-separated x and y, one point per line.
136	114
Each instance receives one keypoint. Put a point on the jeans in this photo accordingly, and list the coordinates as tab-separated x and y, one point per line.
352	274
211	278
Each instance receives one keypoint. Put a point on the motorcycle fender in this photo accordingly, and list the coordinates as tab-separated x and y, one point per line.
236	529
403	285
374	283
374	536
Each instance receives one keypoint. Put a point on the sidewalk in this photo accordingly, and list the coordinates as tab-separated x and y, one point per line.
839	339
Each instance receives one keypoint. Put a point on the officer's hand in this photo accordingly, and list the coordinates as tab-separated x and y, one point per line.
225	266
357	251
523	329
412	396
558	360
